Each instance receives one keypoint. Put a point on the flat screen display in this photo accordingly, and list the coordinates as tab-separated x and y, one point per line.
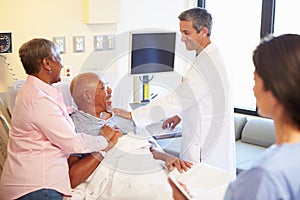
152	52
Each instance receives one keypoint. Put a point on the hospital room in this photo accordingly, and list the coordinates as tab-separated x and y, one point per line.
139	99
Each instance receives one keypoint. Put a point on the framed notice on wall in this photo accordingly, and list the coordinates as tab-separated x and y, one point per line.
61	44
5	43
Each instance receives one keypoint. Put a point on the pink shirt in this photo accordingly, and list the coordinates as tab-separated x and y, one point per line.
41	139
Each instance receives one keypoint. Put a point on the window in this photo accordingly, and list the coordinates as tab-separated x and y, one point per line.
286	17
236	31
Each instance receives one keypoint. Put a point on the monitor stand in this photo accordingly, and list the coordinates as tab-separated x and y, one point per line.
145	89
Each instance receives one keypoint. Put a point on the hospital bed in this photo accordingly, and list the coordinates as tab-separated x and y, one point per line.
129	171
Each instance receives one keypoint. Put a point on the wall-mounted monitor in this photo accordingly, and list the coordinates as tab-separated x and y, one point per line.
152	52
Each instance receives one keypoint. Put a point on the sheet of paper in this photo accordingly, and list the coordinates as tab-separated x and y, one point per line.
204	181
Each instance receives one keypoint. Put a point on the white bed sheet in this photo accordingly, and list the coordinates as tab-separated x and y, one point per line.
127	172
130	172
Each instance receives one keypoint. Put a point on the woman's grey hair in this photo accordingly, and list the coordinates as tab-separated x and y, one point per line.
200	17
34	51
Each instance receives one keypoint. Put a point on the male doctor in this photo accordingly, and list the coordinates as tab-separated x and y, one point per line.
202	100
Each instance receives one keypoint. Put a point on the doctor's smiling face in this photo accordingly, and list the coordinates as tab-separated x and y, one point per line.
195	26
189	35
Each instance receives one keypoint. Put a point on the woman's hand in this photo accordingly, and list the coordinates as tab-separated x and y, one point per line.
111	135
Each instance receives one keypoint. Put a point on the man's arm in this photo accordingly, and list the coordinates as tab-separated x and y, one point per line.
170	122
122	113
81	169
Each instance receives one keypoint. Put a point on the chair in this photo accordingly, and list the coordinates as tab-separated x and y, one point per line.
5	125
4	134
6	117
11	93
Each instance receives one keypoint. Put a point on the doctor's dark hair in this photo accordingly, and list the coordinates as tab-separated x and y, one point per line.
33	52
277	62
200	17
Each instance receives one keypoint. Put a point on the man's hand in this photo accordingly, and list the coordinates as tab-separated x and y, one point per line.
122	113
171	122
172	161
111	135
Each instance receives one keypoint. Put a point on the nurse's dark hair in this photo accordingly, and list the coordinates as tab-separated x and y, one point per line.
200	17
277	62
33	52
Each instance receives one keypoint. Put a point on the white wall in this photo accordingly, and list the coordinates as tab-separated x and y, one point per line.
137	14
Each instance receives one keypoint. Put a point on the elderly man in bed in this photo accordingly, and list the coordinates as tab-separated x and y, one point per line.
127	167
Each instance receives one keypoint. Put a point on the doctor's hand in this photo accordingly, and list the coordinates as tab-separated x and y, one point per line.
181	165
170	161
111	135
171	122
122	113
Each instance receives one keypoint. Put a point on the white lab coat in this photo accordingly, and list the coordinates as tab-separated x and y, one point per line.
203	102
